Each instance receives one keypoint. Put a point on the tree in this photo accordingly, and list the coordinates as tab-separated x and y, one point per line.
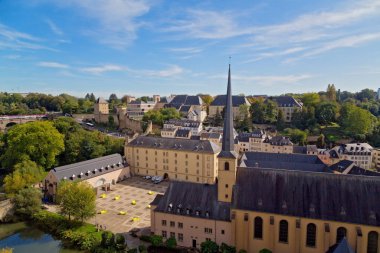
265	251
171	242
111	120
326	112
310	99
366	95
25	174
280	124
28	201
224	248
321	141
209	247
76	199
37	141
296	135
331	92
258	111
207	99
156	240
159	117
355	120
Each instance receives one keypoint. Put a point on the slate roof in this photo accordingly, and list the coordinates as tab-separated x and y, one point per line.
163	100
244	137
95	167
183	123
211	135
182	133
285	166
220	100
203	198
341	165
324	196
157	199
354	149
293	158
287	101
205	146
140	102
186	100
185	108
279	140
299	150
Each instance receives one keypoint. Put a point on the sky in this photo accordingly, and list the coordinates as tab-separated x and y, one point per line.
146	47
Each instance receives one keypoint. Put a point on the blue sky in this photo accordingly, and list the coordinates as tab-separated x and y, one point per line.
146	47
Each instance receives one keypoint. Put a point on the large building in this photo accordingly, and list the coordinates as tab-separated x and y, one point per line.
137	108
288	105
102	172
218	104
178	159
286	203
359	153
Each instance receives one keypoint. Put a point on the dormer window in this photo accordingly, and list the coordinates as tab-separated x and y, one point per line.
188	211
197	212
170	207
207	214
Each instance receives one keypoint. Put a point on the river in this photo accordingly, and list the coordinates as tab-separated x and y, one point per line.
26	239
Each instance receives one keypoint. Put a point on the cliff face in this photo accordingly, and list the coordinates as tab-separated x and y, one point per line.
6	210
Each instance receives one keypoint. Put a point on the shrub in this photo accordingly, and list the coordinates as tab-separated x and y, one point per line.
156	240
28	202
81	240
142	249
108	239
209	247
132	250
145	238
265	251
224	248
243	251
120	242
171	242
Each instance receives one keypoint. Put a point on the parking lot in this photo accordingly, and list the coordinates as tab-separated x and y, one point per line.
135	188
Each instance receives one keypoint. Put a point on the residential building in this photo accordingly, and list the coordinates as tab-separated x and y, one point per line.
252	141
213	137
288	105
359	153
102	172
218	104
277	144
376	158
175	158
136	109
190	107
194	126
282	202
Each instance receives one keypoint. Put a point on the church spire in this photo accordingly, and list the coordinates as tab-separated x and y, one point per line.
228	149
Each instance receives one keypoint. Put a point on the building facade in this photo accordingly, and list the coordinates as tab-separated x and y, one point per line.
175	158
218	104
136	109
288	105
359	153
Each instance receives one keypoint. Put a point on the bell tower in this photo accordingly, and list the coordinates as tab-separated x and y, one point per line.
227	158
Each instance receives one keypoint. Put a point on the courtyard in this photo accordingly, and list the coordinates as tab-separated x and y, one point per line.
120	198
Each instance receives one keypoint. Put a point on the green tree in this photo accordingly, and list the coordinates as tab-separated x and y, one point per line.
224	248
171	242
76	199
310	99
326	112
265	251
331	92
321	141
159	117
258	111
37	141
296	135
207	99
271	111
356	121
25	174
280	124
209	247
28	201
156	240
366	95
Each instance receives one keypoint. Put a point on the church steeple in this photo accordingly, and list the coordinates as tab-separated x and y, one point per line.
228	149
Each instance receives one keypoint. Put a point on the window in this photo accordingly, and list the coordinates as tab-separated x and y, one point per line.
180	225
245	217
208	230
226	185
226	166
180	237
172	224
172	234
164	234
222	232
311	234
341	232
373	242
226	196
163	222
258	228
283	231
197	157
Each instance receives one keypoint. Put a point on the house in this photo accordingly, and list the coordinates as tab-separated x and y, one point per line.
190	107
359	153
102	172
194	126
277	144
137	108
252	141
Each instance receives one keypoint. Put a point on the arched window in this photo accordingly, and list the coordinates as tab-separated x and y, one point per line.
226	166
258	228
283	232
373	242
311	234
341	232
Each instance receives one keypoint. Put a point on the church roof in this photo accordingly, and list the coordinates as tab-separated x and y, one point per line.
194	200
324	196
202	146
186	100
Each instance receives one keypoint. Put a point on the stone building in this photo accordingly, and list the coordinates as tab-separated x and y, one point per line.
102	172
285	203
218	104
288	105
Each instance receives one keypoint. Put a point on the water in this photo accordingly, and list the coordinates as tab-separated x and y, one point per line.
25	239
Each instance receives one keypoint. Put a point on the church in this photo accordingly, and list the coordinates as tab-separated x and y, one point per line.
281	202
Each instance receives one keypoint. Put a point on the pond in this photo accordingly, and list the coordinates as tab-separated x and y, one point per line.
26	239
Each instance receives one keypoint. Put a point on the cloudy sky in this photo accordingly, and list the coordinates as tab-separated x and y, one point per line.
145	47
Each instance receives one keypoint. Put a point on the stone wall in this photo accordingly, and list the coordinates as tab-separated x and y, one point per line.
6	209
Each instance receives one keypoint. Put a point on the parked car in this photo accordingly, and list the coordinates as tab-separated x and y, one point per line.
147	177
158	180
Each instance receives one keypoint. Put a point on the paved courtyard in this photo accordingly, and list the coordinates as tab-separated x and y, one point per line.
135	188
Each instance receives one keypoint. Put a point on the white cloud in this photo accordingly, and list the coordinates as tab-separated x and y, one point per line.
188	50
53	65
11	39
168	72
268	80
55	29
12	56
116	21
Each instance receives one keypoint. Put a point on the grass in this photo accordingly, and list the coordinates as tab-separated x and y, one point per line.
90	229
